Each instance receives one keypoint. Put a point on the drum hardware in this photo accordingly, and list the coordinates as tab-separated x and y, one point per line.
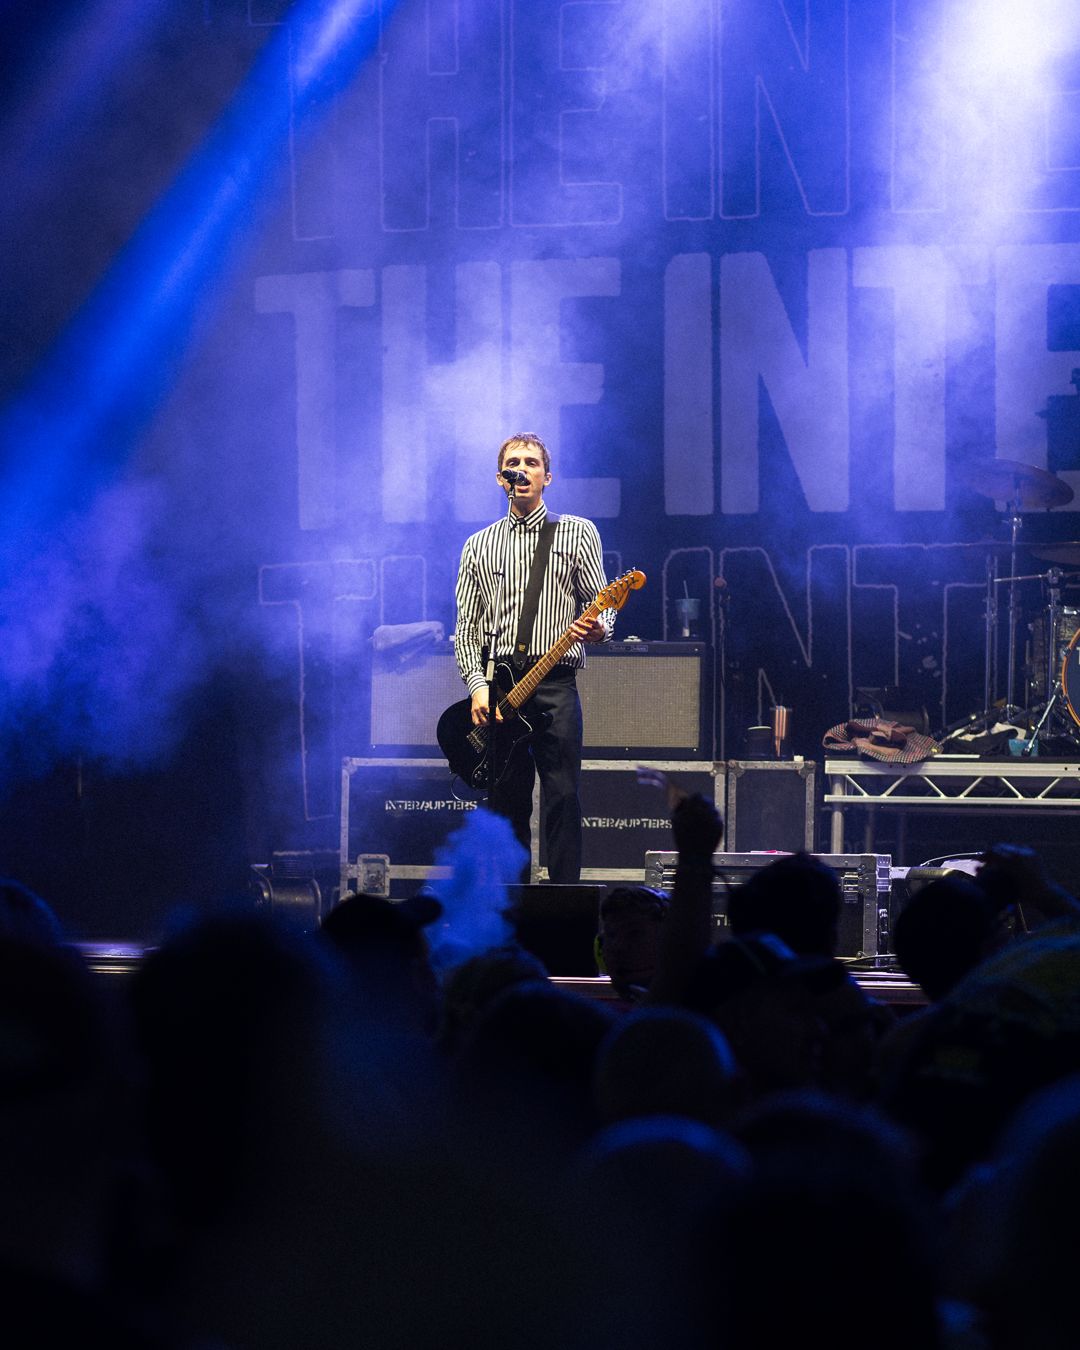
1014	615
1070	679
1054	634
990	620
1050	633
1064	699
1062	686
1053	684
1033	739
994	718
1021	487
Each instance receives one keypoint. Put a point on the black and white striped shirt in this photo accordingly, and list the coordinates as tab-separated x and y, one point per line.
575	575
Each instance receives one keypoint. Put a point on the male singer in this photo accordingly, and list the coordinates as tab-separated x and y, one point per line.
573	577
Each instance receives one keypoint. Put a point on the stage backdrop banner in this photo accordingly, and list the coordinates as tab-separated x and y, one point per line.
779	284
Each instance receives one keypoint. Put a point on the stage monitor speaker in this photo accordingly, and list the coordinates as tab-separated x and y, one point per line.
558	924
624	713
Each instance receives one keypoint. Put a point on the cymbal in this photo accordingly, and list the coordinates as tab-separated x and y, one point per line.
1021	485
1062	555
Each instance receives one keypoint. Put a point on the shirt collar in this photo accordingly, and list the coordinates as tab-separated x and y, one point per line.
532	521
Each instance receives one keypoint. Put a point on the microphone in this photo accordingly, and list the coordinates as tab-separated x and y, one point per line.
514	477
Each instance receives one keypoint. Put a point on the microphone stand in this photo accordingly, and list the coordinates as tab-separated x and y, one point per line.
491	638
1015	520
990	656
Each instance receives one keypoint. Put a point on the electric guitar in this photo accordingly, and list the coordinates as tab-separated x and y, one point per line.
468	748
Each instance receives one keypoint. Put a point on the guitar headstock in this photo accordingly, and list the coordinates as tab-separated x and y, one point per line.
613	596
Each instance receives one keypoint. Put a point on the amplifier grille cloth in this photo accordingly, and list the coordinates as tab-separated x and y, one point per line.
642	700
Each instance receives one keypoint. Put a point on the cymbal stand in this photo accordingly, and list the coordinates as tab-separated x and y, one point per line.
968	726
1014	605
1055	689
990	656
1053	609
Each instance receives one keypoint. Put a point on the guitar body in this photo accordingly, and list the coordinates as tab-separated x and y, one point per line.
467	747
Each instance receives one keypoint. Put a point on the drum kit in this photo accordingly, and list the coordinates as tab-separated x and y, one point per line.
1049	665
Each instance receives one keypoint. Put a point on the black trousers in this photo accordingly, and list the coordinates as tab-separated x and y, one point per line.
554	753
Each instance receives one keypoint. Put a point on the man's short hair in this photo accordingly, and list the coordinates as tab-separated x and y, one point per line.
796	897
526	438
643	900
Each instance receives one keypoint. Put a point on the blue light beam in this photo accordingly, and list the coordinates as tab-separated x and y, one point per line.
71	426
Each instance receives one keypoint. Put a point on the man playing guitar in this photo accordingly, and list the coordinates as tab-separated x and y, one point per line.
573	576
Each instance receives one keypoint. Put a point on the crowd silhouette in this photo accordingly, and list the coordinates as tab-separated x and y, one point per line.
381	1134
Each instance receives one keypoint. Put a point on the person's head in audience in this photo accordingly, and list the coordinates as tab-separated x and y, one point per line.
469	988
665	1162
628	941
1013	1226
756	990
384	943
228	1011
829	1242
943	932
648	1186
1009	1029
854	1025
666	1062
810	1121
25	916
62	1123
798	898
527	1064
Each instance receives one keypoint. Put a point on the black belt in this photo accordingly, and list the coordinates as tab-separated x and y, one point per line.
559	671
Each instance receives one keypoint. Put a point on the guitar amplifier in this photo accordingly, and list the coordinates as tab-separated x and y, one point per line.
623	716
865	886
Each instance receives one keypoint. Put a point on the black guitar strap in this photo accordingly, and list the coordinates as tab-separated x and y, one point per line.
531	603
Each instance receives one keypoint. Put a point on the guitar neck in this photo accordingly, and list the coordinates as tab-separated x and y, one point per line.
526	686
